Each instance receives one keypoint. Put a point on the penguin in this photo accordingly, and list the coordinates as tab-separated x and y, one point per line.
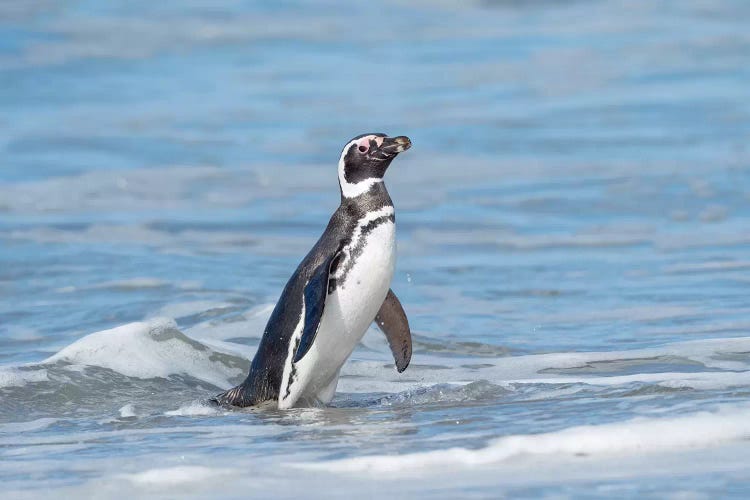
336	292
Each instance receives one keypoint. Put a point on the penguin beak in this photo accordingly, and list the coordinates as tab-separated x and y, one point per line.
395	145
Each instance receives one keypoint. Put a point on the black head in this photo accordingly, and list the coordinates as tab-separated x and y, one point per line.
365	159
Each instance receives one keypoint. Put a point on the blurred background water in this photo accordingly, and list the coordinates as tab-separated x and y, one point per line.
573	231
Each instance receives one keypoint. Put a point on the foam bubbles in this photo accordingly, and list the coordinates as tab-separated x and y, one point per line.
638	436
30	426
445	394
127	411
151	349
713	363
13	376
171	476
194	409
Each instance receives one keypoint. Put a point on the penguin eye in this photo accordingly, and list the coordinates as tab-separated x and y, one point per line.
363	149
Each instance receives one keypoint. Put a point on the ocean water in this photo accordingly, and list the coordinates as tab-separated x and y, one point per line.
573	245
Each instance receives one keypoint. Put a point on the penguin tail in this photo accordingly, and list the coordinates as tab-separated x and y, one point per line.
237	396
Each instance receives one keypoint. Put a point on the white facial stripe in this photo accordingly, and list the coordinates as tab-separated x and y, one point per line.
354	189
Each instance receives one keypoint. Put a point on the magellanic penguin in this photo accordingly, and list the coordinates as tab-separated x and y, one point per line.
341	286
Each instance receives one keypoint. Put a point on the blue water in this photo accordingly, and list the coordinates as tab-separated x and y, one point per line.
573	245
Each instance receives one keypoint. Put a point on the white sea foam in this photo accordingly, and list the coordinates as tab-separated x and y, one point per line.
32	425
194	409
638	436
171	476
156	348
721	361
149	350
12	376
127	411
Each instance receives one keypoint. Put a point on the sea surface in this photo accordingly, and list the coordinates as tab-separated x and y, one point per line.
573	245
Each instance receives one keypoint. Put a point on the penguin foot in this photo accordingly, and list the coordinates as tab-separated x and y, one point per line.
237	396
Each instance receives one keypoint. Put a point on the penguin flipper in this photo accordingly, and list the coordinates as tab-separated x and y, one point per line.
316	291
391	319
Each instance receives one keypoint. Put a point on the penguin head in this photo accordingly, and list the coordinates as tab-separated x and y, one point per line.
365	159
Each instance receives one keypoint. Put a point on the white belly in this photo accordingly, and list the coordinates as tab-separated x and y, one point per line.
348	313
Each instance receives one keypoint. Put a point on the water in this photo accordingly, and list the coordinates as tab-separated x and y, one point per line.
573	240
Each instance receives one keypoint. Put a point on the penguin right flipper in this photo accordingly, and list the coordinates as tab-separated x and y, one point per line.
392	320
316	291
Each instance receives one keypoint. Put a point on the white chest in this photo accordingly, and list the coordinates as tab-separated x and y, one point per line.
363	279
367	273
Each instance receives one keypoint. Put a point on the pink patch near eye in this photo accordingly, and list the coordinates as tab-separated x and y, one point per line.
363	144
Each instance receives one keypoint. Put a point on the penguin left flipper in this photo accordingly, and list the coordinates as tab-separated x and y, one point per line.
392	320
315	293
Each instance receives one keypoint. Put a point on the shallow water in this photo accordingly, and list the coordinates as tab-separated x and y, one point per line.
573	231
